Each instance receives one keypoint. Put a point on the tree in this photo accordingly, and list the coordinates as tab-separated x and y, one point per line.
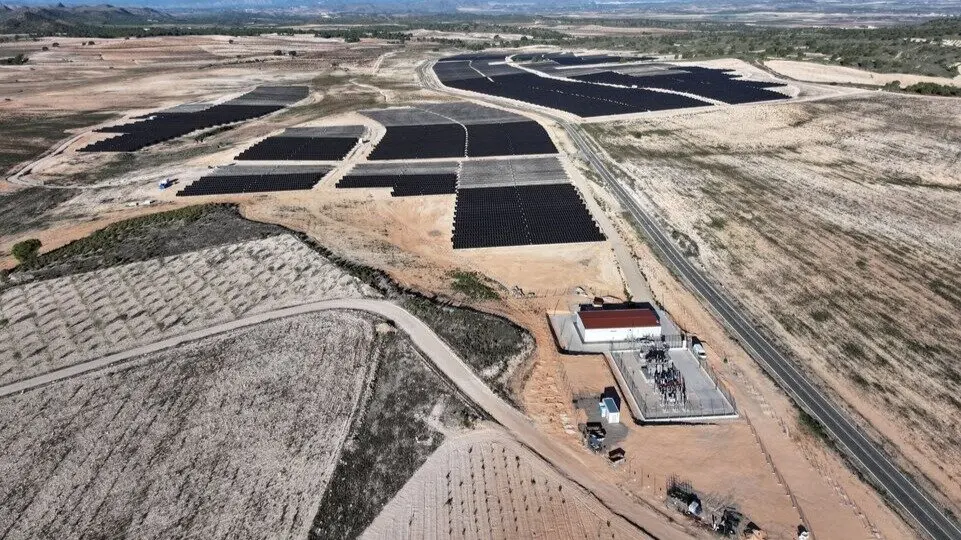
278	52
17	60
293	53
26	251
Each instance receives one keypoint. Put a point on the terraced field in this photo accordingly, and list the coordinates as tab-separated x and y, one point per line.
486	485
56	322
231	436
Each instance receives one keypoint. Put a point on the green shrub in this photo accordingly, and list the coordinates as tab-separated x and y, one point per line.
26	251
472	285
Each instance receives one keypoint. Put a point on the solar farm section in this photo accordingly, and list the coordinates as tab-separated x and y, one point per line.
456	130
325	143
599	85
520	202
405	180
166	125
524	199
250	179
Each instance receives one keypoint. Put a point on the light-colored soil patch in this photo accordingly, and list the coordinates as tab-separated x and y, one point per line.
486	485
837	223
411	238
823	73
52	323
595	30
231	436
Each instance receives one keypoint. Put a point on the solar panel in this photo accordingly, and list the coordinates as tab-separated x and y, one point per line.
522	215
509	139
283	148
221	184
718	84
421	142
605	92
404	185
163	126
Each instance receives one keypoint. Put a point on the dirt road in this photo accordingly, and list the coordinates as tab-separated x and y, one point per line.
648	521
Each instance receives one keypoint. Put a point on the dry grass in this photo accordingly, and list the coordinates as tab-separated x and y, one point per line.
837	223
231	436
52	323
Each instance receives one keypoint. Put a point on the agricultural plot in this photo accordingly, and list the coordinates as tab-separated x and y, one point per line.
231	436
56	322
522	215
600	91
164	126
233	179
306	144
403	416
486	485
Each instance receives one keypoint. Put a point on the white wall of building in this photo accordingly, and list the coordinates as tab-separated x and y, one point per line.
600	335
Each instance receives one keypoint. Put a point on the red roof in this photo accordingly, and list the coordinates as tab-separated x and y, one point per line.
619	318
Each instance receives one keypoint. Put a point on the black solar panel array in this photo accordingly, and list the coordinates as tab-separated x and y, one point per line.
404	185
710	83
447	140
581	95
300	148
166	126
509	139
251	183
579	98
522	215
421	142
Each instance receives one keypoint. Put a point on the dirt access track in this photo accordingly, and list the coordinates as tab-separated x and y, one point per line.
646	519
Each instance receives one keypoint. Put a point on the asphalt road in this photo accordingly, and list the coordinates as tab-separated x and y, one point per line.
866	454
650	524
863	451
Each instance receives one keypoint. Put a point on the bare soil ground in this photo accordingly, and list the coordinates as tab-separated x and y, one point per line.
52	323
230	436
486	485
822	73
837	223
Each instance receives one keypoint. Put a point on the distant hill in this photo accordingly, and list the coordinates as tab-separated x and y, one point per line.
49	20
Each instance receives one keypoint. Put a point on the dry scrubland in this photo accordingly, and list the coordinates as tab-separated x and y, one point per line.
487	485
235	435
66	90
821	73
51	323
839	223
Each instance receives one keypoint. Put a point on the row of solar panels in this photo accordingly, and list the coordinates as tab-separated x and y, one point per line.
164	126
522	215
282	148
403	185
454	140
